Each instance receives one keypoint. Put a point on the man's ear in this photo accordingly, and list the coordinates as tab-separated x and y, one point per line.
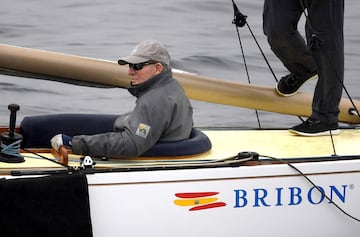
159	67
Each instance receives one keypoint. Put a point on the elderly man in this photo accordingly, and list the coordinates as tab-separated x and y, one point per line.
162	111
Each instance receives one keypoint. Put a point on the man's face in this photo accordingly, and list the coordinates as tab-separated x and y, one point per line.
141	73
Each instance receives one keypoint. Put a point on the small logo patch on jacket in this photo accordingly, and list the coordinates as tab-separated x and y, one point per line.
143	130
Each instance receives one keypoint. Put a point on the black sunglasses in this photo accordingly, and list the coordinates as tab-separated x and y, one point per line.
139	66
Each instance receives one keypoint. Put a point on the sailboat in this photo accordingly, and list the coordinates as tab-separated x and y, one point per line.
249	182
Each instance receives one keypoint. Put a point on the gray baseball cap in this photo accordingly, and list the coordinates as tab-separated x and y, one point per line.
146	51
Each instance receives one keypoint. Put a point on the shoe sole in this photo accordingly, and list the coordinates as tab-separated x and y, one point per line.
325	133
294	93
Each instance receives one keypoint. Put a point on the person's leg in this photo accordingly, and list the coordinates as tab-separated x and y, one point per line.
325	36
280	25
326	19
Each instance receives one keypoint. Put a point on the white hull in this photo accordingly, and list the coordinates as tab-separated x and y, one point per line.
255	199
278	201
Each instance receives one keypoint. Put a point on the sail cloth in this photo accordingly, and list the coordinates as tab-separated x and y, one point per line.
45	206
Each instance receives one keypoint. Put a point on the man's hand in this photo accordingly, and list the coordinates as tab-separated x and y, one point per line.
60	140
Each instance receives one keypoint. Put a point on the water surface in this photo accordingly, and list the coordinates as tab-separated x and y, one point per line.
199	35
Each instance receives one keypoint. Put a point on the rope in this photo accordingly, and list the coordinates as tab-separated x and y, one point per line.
240	21
70	168
12	149
314	185
245	64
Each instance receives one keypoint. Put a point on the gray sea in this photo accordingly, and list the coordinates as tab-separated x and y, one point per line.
199	34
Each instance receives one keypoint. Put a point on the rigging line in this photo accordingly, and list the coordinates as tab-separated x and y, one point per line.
314	185
246	67
70	168
240	21
262	53
352	110
333	143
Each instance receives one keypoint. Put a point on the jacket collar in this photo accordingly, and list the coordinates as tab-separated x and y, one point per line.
156	81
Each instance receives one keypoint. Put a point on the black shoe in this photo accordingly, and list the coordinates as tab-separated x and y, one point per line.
290	84
312	128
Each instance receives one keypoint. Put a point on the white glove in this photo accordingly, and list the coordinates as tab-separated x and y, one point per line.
57	142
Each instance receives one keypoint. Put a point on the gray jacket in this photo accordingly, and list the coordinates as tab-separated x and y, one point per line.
162	113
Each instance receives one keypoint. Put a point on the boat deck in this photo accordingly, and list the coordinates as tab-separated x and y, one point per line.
282	144
279	144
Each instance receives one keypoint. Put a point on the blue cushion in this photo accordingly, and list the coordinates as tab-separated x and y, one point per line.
197	143
38	130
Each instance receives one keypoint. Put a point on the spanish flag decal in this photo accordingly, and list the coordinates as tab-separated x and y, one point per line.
198	201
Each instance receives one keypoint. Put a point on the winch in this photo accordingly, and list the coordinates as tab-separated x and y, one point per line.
10	141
